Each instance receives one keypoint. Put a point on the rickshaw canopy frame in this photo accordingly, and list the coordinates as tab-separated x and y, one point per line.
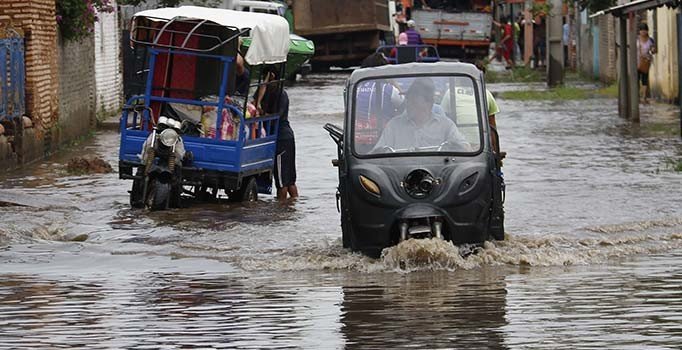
269	33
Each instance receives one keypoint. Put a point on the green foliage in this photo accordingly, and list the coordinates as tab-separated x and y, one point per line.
556	94
162	3
172	3
76	18
562	93
673	164
596	5
519	74
540	9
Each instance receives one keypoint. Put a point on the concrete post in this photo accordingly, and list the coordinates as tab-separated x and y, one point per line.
528	33
679	64
632	69
555	49
623	96
578	38
513	55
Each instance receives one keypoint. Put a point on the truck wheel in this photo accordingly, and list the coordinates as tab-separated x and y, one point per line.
247	193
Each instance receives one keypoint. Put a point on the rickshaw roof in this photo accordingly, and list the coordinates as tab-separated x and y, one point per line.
269	33
412	69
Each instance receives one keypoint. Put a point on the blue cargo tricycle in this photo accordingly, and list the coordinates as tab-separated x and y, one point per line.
197	130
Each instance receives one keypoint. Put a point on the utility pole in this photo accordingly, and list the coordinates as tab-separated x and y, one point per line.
623	79
555	49
528	33
632	67
679	63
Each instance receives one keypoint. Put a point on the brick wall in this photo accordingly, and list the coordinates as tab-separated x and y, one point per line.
108	75
76	88
36	18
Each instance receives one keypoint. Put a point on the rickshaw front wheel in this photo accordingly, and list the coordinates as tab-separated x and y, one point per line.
159	195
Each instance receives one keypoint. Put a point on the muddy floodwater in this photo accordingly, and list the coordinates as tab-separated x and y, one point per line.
593	257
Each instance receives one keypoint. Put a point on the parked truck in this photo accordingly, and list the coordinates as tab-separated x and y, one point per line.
344	31
458	28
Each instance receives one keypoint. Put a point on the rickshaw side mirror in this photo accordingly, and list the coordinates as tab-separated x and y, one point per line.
335	132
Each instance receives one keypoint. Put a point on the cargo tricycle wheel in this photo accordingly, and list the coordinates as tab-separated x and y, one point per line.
247	193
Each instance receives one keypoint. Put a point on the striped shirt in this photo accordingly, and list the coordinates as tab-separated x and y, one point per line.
413	38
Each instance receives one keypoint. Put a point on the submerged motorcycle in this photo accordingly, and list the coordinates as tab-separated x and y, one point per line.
158	184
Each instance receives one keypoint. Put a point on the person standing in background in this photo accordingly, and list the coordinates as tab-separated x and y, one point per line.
413	37
517	32
646	48
276	102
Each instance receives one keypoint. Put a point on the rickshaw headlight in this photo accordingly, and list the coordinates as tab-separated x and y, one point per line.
370	186
169	137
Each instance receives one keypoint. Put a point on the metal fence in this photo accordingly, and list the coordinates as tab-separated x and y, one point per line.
12	78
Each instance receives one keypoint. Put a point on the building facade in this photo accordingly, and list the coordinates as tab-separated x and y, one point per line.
59	89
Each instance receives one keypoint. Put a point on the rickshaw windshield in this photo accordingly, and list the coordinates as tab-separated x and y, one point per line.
410	115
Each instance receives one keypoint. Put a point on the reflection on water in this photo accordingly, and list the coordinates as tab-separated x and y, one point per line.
591	258
425	310
637	304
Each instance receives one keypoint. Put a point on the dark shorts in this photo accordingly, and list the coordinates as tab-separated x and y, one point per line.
285	163
644	78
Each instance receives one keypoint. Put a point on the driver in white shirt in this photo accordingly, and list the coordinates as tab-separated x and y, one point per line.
421	127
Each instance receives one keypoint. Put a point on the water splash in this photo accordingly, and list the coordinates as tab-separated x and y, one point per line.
427	254
435	255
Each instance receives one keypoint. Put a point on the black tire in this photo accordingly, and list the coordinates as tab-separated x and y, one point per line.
346	229
247	193
136	195
159	195
346	233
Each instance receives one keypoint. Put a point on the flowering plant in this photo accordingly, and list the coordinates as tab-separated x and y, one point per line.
76	18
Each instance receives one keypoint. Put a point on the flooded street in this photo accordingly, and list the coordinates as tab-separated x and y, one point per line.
592	258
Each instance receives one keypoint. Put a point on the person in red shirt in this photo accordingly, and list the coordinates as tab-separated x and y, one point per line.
507	42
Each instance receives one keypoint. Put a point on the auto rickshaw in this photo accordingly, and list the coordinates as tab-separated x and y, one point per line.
196	129
416	158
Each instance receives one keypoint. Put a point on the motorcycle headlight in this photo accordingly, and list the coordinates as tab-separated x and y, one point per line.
169	137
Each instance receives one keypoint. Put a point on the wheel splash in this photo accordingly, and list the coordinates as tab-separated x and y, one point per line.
428	254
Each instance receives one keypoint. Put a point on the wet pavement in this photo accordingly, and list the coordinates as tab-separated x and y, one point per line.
592	258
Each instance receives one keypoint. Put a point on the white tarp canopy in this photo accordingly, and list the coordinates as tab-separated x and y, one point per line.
269	33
